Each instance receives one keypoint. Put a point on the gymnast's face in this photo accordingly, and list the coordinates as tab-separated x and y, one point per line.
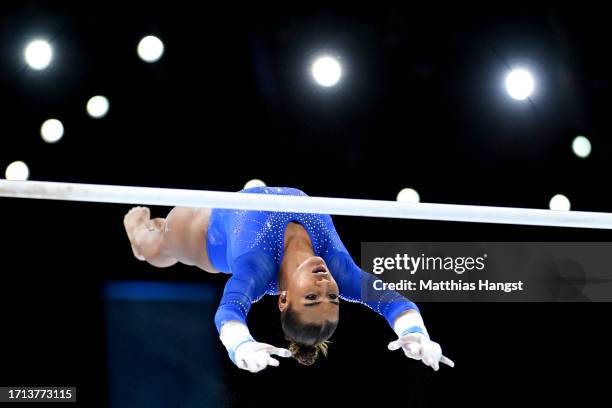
312	293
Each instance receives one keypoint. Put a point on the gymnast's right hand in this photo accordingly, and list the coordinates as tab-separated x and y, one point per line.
247	353
414	340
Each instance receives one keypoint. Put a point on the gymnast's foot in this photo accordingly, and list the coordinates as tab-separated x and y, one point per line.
136	218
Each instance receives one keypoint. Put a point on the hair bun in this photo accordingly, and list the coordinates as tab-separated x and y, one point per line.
308	355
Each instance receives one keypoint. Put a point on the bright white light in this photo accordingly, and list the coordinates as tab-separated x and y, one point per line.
51	130
326	71
559	202
38	54
408	195
254	183
519	84
150	48
17	170
97	106
581	147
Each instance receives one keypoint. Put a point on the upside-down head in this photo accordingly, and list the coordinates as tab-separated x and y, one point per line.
309	308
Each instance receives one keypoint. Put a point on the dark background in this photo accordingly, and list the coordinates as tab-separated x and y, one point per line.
421	105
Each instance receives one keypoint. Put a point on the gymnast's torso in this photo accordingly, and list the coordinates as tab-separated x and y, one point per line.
249	245
233	233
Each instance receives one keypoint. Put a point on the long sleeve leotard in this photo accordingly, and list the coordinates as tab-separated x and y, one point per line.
249	245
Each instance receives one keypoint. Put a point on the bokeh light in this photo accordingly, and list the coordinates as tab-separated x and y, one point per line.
520	84
559	202
581	147
254	183
52	130
326	71
17	170
97	106
408	195
38	54
150	49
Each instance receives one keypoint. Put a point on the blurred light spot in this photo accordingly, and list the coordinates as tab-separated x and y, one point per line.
17	170
150	49
581	147
51	130
254	183
519	84
326	71
408	195
38	54
560	203
97	106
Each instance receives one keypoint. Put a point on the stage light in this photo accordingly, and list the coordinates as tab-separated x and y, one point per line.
559	202
51	130
408	195
150	49
254	183
38	54
97	106
581	147
17	170
326	71
519	84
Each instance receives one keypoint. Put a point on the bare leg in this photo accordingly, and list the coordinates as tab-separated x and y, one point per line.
186	231
147	237
180	237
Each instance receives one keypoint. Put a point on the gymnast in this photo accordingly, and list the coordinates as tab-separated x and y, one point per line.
297	256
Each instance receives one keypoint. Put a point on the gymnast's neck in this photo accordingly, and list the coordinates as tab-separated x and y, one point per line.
297	248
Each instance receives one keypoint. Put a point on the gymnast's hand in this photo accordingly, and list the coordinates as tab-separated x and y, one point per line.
245	352
414	340
418	346
254	356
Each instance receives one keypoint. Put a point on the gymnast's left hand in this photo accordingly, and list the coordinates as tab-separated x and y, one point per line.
254	356
418	346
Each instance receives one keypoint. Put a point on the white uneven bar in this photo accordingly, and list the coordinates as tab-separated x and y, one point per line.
320	205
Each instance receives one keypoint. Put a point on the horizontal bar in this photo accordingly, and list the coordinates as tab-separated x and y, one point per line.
319	205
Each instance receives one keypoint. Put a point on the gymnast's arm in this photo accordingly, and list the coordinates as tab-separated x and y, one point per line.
403	315
251	273
357	285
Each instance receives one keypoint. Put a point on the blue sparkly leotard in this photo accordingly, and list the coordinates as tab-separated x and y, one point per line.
249	245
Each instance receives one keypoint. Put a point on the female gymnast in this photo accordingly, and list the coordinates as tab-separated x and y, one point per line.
297	256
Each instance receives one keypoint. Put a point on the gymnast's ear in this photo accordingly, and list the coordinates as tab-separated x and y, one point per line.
283	304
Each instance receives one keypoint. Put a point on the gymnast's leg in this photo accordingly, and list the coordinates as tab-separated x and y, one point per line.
162	242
